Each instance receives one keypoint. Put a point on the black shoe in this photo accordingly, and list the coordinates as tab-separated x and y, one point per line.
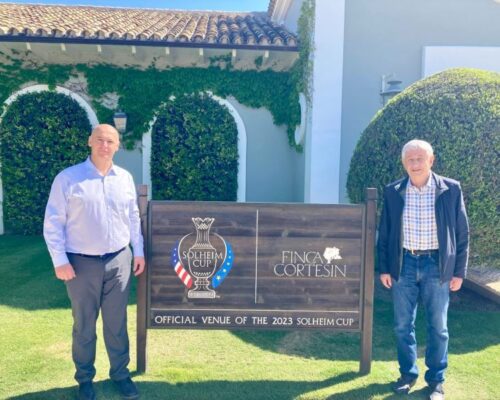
127	389
403	385
86	391
436	391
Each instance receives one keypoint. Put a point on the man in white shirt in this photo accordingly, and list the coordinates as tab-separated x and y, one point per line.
90	220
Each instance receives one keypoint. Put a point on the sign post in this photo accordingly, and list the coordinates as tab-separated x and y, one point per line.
220	265
142	283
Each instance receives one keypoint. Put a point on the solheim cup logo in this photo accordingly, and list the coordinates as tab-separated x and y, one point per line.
204	260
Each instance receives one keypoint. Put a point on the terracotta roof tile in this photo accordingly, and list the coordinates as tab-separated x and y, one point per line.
149	25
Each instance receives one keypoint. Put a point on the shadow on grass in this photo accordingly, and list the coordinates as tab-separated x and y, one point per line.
328	345
472	323
378	389
221	390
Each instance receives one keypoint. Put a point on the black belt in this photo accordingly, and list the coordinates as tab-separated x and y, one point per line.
418	253
102	256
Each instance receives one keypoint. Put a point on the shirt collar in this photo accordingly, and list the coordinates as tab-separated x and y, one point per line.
428	185
89	164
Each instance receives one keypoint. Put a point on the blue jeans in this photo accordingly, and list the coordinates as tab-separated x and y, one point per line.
420	277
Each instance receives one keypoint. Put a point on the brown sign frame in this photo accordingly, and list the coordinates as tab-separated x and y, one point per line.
150	284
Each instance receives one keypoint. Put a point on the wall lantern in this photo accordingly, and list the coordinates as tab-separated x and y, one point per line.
120	120
390	87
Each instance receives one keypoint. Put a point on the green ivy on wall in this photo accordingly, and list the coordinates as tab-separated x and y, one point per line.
40	135
194	151
141	92
14	73
303	68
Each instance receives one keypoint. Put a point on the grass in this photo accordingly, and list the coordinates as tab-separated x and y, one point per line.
35	349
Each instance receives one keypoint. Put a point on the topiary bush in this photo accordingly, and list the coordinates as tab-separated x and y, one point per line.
40	134
458	112
194	151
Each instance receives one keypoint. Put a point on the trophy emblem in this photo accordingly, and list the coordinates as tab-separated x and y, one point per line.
200	263
202	260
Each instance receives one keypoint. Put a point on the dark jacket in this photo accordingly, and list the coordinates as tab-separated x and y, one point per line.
452	229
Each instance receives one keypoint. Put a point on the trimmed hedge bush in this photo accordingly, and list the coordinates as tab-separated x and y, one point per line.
458	112
194	151
41	134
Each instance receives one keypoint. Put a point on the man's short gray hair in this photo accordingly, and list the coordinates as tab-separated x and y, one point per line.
417	144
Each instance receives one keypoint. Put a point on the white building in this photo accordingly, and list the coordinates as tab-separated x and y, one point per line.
360	45
362	48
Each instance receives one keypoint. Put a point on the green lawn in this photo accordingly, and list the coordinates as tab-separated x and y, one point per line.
35	348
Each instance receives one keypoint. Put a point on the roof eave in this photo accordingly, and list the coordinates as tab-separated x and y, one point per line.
145	43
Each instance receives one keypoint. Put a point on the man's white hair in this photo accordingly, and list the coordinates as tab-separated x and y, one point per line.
417	144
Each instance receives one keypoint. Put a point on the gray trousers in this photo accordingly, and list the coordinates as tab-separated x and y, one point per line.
101	284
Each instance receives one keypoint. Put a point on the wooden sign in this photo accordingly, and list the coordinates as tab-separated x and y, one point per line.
216	265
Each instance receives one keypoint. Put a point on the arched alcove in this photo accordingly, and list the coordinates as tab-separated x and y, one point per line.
58	89
92	121
242	150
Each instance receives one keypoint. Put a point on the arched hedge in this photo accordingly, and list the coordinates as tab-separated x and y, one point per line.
40	134
194	153
458	112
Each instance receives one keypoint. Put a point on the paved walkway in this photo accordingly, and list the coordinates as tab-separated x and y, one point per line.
485	281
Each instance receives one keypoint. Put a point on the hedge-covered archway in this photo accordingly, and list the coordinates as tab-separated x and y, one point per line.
458	112
41	134
194	152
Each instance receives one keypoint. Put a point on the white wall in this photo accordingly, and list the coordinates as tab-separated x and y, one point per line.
324	136
438	58
390	36
287	12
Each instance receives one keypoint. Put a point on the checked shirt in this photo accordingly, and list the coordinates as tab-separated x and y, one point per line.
419	217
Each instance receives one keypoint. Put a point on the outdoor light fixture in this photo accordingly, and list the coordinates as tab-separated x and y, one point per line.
120	120
390	87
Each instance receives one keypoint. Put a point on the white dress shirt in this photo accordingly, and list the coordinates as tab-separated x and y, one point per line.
88	213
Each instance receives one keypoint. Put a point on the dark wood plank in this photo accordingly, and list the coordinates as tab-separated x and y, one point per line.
368	281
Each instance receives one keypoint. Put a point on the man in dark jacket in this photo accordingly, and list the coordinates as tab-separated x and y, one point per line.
423	246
